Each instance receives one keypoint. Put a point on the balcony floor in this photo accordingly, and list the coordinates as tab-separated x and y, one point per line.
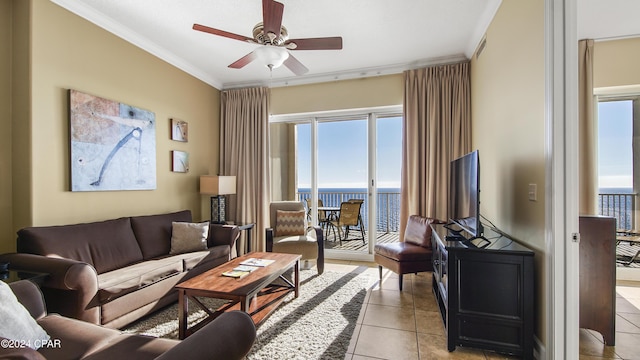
355	242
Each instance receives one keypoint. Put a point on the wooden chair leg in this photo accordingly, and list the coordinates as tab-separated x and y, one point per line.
400	277
380	273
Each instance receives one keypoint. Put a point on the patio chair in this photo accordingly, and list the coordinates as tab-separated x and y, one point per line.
288	233
323	219
349	216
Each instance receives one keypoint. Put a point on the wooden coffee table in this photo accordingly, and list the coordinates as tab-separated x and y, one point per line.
254	294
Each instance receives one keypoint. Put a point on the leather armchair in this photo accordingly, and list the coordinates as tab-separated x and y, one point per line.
413	255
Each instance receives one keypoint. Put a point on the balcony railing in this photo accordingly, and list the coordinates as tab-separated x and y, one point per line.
620	206
388	213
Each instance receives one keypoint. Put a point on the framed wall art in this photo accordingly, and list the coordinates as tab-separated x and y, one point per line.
179	130
113	145
180	161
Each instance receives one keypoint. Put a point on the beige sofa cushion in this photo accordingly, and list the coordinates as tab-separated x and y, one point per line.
116	283
303	245
188	237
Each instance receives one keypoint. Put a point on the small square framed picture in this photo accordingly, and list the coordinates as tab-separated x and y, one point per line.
179	130
180	161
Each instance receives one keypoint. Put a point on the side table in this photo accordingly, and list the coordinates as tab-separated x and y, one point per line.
243	227
246	227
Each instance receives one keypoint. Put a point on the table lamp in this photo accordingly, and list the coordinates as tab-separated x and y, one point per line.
219	186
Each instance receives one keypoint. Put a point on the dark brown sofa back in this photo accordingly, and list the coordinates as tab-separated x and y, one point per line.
107	245
153	232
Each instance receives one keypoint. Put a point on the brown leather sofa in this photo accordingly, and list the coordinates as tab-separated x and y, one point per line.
230	336
114	272
413	254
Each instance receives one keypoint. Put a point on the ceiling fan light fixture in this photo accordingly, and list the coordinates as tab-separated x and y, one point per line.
272	56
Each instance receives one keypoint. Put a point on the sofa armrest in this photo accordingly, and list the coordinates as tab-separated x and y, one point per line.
320	239
30	296
269	239
223	235
229	336
64	274
70	287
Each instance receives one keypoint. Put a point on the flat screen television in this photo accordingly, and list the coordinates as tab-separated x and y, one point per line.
464	194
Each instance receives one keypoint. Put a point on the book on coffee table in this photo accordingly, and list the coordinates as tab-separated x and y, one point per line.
257	262
236	273
245	268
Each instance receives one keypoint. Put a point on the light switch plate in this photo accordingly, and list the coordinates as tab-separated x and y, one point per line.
533	192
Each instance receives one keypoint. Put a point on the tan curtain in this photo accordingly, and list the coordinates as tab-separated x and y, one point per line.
588	185
244	145
436	130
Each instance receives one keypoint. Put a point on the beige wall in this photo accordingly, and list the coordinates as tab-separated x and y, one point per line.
338	95
68	52
508	105
615	63
6	217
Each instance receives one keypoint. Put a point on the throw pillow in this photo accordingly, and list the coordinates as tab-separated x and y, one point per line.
17	324
289	223
188	237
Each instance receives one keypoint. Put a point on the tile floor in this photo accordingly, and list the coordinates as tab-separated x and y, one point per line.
627	328
400	325
407	324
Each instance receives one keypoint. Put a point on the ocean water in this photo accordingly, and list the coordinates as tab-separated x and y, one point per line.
388	212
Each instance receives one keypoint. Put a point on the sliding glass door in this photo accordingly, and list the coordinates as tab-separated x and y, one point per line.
350	157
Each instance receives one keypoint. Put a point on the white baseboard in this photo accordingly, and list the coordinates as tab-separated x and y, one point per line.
539	351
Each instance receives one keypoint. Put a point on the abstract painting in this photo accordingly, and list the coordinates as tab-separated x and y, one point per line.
180	161
179	130
113	145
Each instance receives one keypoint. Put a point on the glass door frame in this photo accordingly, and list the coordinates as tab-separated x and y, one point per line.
625	93
371	114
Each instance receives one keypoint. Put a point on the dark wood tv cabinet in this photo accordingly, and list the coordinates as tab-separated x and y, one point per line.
486	294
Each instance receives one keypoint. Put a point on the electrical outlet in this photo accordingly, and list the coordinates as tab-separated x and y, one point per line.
533	192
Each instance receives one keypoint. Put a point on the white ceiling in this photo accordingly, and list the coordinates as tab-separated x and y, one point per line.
379	36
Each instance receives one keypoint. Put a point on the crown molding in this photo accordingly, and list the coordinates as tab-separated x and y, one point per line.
349	74
84	11
483	24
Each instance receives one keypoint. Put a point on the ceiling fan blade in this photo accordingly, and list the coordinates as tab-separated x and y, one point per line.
243	61
222	33
272	16
326	43
295	65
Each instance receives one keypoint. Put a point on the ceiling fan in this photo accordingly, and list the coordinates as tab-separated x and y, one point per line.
274	41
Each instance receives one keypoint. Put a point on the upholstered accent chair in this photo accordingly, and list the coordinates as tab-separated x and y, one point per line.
288	233
413	255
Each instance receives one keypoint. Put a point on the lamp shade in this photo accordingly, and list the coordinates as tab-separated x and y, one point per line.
272	56
217	185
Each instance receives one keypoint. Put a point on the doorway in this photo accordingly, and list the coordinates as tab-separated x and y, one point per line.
342	157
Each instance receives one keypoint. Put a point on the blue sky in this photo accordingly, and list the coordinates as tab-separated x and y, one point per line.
342	153
615	154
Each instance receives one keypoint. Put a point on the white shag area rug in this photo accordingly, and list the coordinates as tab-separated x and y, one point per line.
317	325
